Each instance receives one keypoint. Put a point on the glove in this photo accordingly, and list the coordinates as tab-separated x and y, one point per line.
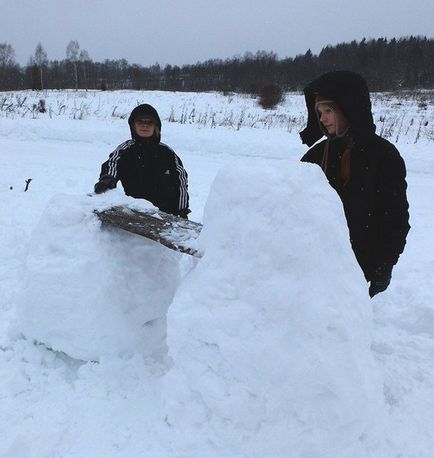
184	213
380	280
104	184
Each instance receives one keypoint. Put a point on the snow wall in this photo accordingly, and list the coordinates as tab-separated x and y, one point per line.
270	334
92	292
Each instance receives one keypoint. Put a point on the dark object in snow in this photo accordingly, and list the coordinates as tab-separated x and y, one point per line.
174	232
27	184
41	106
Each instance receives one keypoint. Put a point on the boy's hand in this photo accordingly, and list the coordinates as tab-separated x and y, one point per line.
381	279
184	213
104	185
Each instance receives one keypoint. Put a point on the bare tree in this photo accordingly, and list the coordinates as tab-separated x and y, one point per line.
84	59
7	63
7	55
41	60
72	54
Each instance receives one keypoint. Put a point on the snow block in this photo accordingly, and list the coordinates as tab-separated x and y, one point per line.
270	334
91	292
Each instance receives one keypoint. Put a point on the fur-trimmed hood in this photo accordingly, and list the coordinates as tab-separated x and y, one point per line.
350	92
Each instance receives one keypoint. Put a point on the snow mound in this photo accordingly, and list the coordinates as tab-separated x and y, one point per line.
92	292
268	358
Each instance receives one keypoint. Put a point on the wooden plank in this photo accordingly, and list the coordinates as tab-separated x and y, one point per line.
176	233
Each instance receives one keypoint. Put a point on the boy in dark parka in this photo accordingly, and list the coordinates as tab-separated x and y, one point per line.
366	171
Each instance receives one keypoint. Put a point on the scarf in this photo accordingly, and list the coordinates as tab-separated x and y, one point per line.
345	169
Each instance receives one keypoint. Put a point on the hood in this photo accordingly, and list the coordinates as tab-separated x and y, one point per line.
350	92
145	110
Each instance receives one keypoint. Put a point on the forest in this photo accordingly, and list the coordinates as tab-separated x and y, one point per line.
387	65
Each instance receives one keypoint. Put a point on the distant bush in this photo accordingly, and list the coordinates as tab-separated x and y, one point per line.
270	96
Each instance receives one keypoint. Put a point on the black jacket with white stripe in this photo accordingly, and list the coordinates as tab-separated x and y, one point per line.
149	170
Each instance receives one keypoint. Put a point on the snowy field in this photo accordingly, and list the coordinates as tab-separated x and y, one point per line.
268	346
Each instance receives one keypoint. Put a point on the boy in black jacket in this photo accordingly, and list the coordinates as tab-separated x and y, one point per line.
147	168
366	170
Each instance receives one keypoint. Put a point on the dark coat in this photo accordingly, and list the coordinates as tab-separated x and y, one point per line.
148	169
374	199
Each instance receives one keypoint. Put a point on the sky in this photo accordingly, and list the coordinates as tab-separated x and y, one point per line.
177	33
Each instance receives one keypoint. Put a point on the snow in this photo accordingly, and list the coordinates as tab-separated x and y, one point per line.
100	287
268	346
256	342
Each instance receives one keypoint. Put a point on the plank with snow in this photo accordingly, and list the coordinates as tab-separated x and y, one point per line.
174	232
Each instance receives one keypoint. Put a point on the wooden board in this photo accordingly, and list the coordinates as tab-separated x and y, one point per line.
176	233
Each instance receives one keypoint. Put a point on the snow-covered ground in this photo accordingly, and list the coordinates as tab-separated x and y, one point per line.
273	347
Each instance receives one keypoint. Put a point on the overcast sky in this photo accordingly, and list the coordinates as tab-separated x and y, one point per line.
181	32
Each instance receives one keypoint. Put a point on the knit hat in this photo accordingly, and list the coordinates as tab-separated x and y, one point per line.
148	111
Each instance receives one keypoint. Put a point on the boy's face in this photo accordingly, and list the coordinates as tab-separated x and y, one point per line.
332	118
144	127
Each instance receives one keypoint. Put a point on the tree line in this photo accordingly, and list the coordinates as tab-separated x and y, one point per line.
387	64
